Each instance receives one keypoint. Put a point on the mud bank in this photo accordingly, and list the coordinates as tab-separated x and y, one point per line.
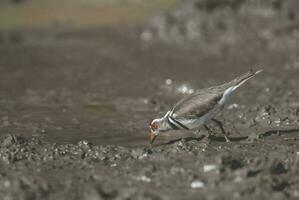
263	169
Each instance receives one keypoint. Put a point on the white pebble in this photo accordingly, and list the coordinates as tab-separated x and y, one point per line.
296	193
185	89
231	106
197	184
144	179
238	179
208	168
7	184
168	81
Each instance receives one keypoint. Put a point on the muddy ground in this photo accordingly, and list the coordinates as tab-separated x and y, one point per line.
75	107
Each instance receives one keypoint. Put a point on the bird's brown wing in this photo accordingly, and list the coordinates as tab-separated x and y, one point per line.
198	103
202	101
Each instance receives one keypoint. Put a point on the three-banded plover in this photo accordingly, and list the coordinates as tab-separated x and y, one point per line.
196	109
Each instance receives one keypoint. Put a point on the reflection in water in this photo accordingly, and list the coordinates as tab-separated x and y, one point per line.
99	124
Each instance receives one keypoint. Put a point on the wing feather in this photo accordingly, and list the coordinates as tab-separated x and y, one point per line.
198	103
203	101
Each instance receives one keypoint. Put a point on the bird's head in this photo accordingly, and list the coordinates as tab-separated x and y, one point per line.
154	128
158	125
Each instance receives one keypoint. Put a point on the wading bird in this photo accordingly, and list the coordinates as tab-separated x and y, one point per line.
196	109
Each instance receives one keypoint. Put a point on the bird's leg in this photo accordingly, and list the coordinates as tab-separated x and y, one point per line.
220	125
208	130
207	144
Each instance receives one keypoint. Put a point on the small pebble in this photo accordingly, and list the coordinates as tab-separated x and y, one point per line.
185	89
238	179
231	106
168	81
197	184
295	193
7	184
143	178
208	168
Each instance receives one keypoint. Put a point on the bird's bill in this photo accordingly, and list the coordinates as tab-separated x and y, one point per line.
152	137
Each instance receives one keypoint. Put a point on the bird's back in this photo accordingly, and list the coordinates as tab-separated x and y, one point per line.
198	103
203	101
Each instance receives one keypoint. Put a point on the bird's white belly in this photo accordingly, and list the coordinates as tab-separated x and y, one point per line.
196	123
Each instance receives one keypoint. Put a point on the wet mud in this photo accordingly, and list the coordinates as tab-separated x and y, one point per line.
75	107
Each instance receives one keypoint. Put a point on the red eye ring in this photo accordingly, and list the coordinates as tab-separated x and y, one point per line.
154	126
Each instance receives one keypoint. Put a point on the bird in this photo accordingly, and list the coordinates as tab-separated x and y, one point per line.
197	109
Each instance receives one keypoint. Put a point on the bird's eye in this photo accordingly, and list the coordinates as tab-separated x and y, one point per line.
154	126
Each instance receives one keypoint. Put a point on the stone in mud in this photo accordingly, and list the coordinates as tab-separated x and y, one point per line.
150	196
279	184
228	162
92	193
278	168
208	168
84	144
252	173
7	140
183	145
177	170
137	153
149	169
212	5
253	137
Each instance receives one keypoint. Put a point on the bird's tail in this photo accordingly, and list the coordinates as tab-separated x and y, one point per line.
237	82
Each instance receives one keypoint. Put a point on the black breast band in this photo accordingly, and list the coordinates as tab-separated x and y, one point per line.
176	123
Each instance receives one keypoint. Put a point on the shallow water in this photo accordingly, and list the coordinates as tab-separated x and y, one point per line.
106	92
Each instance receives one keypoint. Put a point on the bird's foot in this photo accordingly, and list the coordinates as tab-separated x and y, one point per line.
220	125
226	138
207	144
225	135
